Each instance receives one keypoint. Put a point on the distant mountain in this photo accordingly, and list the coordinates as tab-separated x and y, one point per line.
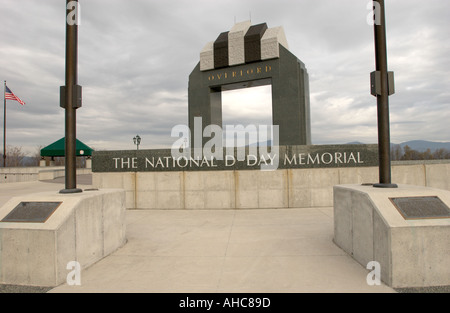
423	145
354	143
418	145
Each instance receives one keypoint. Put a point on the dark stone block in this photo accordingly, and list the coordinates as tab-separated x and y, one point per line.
252	42
114	161
253	158
329	156
221	51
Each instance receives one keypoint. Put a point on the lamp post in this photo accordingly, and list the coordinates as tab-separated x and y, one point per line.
71	96
137	141
382	84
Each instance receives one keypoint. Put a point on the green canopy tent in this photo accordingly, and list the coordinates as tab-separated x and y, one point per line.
57	149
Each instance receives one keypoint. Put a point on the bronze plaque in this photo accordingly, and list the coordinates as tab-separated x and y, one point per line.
31	212
421	207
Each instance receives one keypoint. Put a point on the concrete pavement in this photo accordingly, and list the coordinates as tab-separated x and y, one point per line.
220	251
289	250
10	190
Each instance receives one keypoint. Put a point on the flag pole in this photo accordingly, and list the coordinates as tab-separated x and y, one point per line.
4	124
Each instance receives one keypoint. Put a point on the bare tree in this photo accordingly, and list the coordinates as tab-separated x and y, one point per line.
426	155
396	152
14	156
36	156
441	154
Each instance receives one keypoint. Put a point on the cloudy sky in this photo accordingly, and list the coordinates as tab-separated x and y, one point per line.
135	58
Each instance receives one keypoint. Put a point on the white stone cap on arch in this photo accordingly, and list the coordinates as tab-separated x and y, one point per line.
270	41
207	57
236	43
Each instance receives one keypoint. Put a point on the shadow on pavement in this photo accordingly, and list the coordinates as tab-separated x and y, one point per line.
85	179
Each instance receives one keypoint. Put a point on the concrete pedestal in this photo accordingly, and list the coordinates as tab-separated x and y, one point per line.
411	253
84	228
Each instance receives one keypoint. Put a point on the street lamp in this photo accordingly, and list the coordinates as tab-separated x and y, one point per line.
137	141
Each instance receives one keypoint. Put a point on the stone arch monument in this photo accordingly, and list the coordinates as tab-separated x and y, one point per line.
251	56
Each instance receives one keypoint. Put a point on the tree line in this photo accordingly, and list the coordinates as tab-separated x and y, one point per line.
407	153
16	157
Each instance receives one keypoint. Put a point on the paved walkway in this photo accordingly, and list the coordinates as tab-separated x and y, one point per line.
223	251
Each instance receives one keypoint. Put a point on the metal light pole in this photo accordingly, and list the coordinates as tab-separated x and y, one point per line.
137	141
382	83
71	96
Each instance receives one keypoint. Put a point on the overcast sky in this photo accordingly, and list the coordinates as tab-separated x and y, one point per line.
135	58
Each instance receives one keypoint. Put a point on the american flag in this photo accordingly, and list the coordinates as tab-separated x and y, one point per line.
10	96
